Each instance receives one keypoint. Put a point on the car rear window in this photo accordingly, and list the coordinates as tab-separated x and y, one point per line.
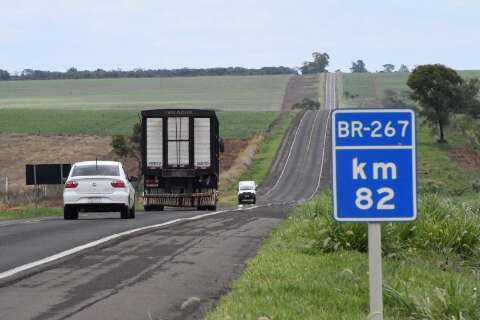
246	188
96	170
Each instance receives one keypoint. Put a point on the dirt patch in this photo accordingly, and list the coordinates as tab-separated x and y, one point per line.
19	150
467	158
233	147
242	161
298	88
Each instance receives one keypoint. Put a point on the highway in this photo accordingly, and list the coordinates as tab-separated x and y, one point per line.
165	265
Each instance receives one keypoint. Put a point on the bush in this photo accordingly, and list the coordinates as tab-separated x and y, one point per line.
307	104
444	226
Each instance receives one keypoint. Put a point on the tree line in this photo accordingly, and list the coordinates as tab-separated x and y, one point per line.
73	73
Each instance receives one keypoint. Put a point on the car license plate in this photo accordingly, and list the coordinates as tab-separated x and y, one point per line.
94	200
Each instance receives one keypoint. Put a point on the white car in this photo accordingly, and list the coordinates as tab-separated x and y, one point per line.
247	191
98	186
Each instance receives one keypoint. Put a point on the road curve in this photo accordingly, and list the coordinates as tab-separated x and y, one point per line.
171	272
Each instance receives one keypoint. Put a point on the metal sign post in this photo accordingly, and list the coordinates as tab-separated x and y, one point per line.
375	270
374	178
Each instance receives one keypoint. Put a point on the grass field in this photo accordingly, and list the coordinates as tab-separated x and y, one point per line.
368	89
233	124
230	93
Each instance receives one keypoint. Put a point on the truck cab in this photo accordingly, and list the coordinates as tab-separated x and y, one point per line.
247	192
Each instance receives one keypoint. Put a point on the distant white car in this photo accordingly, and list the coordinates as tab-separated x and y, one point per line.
98	186
247	191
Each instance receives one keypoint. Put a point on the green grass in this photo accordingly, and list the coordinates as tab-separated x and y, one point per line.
437	172
233	124
369	88
27	213
239	93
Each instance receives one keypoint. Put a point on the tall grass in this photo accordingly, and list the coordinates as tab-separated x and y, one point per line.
445	227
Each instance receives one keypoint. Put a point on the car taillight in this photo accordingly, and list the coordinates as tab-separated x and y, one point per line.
118	184
71	184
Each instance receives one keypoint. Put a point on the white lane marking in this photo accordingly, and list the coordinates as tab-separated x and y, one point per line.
288	157
324	139
311	131
100	241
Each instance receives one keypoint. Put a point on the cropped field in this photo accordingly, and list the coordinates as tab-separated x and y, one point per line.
230	93
233	124
368	89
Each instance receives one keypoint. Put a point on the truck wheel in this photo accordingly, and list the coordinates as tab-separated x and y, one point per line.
147	208
212	208
125	212
160	208
70	213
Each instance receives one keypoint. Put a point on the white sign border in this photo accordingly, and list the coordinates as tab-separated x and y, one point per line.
334	163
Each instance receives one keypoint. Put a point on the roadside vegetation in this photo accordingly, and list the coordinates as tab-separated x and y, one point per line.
29	213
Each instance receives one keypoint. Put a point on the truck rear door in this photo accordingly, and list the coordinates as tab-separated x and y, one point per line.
178	142
202	152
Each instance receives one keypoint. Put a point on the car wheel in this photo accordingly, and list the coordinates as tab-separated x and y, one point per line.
125	212
132	213
70	213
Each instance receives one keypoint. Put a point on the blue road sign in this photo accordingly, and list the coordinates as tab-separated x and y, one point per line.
374	165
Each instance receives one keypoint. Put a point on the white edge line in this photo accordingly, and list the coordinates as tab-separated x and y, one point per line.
311	131
100	241
323	151
288	157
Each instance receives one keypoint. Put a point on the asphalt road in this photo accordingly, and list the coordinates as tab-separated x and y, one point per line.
175	271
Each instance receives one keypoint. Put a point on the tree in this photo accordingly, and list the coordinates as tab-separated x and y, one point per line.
318	65
403	68
129	146
470	104
388	67
358	67
307	104
438	89
4	75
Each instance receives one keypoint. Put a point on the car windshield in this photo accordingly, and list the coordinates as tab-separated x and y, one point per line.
246	188
96	170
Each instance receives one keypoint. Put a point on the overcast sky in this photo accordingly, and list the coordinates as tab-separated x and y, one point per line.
127	34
